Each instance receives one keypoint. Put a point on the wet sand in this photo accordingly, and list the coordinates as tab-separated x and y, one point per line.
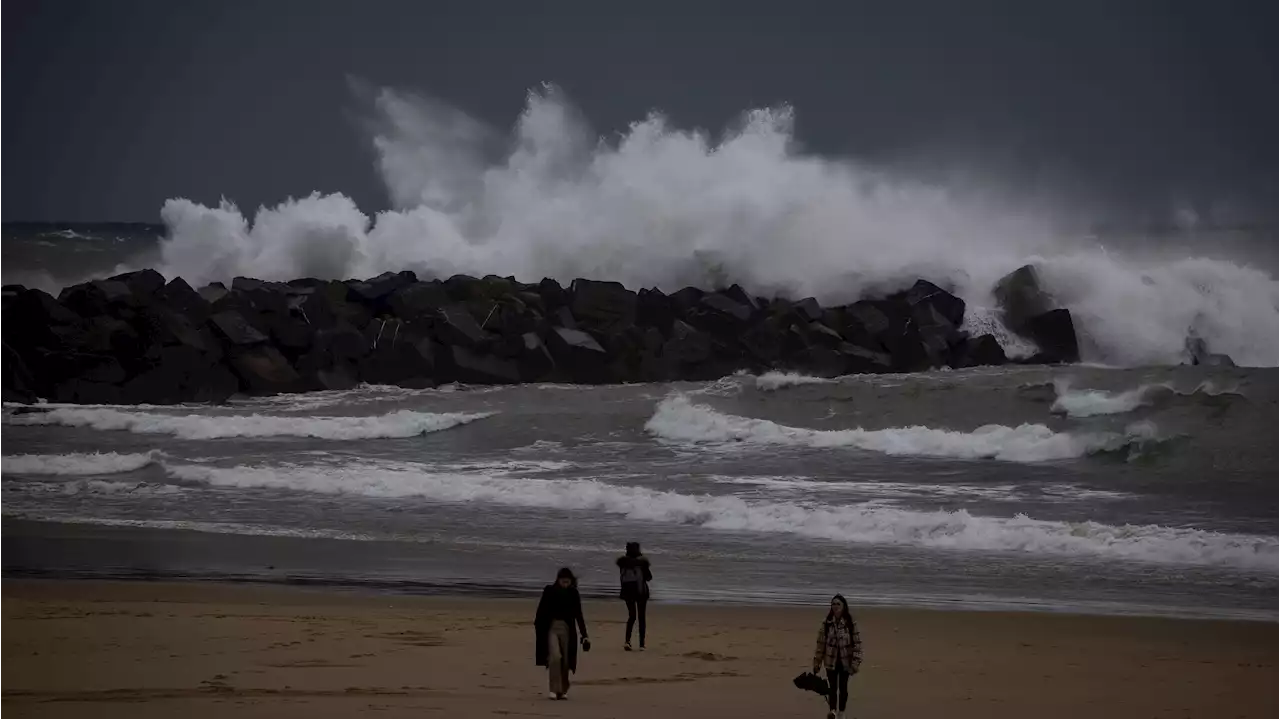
141	650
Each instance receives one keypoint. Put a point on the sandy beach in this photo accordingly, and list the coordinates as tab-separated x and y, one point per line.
138	650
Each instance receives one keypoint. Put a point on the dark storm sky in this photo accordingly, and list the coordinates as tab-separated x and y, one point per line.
112	107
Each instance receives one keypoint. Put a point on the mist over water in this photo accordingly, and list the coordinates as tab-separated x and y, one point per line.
667	207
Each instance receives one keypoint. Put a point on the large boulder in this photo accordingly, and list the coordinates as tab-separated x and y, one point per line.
653	309
980	351
142	283
1055	334
457	326
1198	353
603	305
376	289
178	296
1020	297
99	297
475	368
263	370
860	360
578	354
947	305
418	300
535	360
235	329
687	345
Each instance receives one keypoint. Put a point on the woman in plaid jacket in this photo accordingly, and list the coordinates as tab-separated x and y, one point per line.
839	651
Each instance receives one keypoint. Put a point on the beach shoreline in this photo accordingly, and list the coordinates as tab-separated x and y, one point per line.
141	649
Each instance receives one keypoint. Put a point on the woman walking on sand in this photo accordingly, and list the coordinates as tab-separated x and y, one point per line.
634	575
557	624
839	651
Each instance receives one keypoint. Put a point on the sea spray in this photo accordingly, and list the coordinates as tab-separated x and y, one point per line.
667	207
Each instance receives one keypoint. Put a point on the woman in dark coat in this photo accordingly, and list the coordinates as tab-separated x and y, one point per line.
557	625
634	576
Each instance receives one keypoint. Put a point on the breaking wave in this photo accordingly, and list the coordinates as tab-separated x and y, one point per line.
772	381
79	464
679	419
1093	402
403	423
668	207
860	524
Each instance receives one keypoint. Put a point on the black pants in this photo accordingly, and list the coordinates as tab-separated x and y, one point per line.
635	606
838	678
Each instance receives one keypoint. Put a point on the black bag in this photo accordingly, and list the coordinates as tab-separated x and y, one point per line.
811	682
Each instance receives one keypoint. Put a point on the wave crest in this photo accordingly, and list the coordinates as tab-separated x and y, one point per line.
400	424
677	418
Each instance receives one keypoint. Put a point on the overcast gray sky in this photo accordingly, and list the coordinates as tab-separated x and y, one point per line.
112	107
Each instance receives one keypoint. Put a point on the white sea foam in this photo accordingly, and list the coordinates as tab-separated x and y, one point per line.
666	207
854	523
772	381
1093	402
262	530
80	487
679	419
79	464
403	423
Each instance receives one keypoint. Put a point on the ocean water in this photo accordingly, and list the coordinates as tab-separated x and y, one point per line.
1075	489
1125	484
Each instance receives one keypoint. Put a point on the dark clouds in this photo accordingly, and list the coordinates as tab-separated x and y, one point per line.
110	108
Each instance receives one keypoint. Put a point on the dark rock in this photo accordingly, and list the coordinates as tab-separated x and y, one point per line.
457	326
563	317
1055	335
235	329
979	351
263	370
33	318
822	361
142	283
476	368
1020	297
723	307
178	296
460	287
579	355
334	378
419	300
763	342
603	305
809	309
402	355
78	390
860	360
820	334
1198	354
213	292
552	294
653	309
686	299
98	297
108	335
742	297
375	289
946	304
870	318
687	345
535	359
180	374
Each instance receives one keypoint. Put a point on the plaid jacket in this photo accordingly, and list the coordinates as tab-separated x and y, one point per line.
837	641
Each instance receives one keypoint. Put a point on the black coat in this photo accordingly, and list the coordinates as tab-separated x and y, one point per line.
633	566
565	605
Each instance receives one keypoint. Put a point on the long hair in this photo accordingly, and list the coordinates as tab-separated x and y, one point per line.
845	616
567	572
633	549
